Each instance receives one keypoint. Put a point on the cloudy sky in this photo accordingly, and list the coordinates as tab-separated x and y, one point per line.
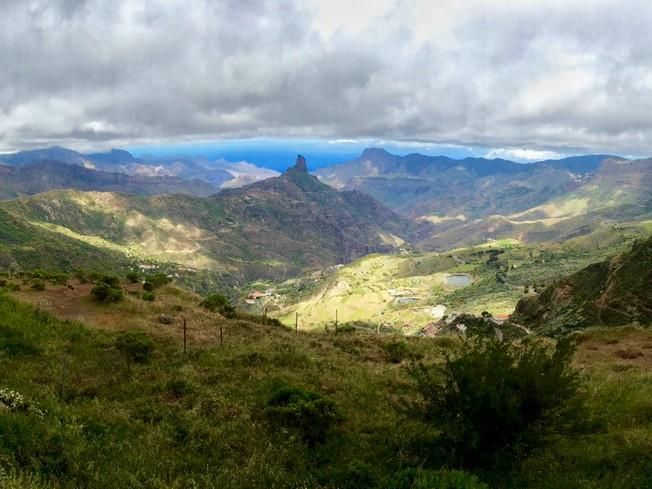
516	78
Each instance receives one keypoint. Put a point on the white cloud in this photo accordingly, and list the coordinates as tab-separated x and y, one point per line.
522	154
555	75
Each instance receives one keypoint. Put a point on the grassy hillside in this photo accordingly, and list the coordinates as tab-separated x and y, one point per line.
88	419
27	246
611	292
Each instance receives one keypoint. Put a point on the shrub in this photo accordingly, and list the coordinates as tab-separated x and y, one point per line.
103	292
157	280
133	277
82	276
111	281
16	402
498	399
396	351
38	284
148	286
148	296
308	413
179	388
135	345
94	276
15	342
58	278
219	303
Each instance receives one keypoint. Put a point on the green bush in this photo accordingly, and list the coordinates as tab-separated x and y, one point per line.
219	303
15	342
82	275
497	401
179	388
148	296
58	278
105	293
111	281
308	413
136	346
38	284
133	277
94	276
148	286
396	351
157	280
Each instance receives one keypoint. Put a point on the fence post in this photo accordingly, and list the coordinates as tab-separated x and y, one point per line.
184	335
63	378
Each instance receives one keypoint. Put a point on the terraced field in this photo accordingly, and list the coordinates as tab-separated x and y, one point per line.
408	291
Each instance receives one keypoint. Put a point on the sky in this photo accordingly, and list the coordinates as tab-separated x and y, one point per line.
517	79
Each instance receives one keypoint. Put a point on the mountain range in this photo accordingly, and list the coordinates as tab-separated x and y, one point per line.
213	174
264	225
438	188
17	181
275	228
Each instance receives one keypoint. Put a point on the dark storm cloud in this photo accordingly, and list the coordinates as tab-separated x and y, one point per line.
505	74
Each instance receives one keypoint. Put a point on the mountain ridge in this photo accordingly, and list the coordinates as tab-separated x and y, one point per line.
48	175
273	229
421	186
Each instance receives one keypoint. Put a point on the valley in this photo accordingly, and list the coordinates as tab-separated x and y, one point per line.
408	291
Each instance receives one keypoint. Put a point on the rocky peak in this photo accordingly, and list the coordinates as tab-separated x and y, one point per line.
375	154
301	164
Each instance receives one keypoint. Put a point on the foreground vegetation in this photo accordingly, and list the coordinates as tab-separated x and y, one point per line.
115	407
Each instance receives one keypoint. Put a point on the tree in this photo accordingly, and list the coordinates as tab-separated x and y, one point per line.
497	399
136	346
308	413
105	293
133	277
219	303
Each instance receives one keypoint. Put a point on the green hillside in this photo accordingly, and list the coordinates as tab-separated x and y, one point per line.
620	192
407	291
610	293
25	246
74	413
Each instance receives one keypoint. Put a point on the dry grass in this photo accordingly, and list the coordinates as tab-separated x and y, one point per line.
615	347
76	305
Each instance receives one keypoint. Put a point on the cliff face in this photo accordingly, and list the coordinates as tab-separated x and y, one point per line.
610	293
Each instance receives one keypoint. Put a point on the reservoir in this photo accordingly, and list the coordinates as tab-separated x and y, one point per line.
458	280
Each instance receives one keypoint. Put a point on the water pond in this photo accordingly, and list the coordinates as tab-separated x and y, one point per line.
458	280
